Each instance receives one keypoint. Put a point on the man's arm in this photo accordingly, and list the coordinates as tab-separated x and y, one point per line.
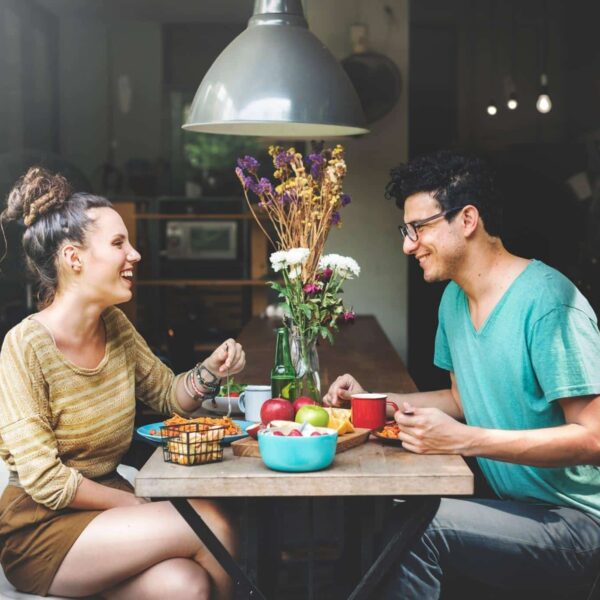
448	400
429	431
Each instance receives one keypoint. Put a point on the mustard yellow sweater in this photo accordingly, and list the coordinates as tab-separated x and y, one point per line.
58	421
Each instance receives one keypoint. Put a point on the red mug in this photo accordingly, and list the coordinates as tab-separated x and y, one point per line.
368	410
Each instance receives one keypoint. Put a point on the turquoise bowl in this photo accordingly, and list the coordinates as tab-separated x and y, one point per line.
297	454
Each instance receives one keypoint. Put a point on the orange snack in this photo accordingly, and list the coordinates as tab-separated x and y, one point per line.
230	427
390	431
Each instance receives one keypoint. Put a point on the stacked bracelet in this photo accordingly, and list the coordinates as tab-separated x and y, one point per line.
211	385
190	387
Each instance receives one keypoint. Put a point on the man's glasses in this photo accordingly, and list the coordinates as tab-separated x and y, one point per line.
411	230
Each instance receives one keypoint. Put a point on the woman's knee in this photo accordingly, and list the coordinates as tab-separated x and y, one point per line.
179	578
188	580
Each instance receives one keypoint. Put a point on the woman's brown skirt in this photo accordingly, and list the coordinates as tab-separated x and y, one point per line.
34	540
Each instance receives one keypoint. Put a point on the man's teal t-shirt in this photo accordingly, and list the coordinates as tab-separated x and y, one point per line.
540	343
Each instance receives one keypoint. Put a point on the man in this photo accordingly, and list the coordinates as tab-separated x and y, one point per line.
522	347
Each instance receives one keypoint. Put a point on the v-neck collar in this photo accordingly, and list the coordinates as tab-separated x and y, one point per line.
497	307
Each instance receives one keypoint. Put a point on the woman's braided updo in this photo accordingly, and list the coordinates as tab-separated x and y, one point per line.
52	215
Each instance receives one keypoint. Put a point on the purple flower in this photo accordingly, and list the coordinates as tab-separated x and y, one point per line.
249	163
263	187
249	183
283	158
346	199
349	316
311	288
335	217
287	198
325	276
316	161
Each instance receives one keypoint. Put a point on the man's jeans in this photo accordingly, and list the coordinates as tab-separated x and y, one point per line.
503	543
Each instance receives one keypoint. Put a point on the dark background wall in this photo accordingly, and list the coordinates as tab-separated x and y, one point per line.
465	53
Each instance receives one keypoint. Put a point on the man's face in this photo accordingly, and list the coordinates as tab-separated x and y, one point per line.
439	247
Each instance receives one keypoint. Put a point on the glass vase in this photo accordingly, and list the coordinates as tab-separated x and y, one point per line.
306	363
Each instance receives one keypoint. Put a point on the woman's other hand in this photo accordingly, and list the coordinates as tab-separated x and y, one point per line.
341	390
229	357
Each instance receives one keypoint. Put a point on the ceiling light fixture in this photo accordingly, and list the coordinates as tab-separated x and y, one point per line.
512	103
544	104
492	107
276	79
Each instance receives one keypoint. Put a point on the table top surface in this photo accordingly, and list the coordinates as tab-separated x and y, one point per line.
372	469
361	349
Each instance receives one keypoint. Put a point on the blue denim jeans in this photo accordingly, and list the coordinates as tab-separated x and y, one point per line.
502	543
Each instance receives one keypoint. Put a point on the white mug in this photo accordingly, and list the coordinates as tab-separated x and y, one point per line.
252	399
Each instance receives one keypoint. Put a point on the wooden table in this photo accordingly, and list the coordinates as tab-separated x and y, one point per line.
361	349
372	469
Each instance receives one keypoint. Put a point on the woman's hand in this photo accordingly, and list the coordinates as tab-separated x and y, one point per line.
229	357
341	390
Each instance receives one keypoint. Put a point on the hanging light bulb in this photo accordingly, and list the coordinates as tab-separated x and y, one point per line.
544	104
512	102
491	109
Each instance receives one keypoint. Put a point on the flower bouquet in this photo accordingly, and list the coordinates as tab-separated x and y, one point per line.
303	204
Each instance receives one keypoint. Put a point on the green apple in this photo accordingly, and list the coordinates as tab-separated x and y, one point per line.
313	414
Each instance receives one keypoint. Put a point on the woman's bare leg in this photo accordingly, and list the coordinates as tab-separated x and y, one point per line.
122	543
173	578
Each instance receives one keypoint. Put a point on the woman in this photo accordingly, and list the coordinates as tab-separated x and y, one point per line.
69	377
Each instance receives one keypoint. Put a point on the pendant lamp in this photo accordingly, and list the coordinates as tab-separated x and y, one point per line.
276	79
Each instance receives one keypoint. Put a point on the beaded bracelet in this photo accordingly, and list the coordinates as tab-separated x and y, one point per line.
212	387
188	381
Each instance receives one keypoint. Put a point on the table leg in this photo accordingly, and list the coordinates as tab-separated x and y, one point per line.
311	549
243	586
419	511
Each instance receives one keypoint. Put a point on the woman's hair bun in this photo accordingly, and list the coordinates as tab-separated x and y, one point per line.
36	193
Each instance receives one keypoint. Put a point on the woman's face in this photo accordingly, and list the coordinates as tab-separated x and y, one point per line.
108	259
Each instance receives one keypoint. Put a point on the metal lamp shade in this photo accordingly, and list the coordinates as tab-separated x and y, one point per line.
276	79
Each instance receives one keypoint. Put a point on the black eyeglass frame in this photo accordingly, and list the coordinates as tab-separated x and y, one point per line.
404	229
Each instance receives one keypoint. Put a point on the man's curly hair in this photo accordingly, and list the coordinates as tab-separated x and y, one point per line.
454	180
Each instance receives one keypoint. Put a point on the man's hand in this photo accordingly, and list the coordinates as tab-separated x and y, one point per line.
228	357
431	431
341	390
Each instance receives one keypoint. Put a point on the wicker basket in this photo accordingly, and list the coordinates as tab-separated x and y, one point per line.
192	443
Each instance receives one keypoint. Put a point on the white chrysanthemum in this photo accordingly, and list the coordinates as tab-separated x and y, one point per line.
345	266
297	256
295	271
278	260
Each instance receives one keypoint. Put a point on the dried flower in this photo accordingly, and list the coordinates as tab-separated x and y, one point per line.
302	205
249	163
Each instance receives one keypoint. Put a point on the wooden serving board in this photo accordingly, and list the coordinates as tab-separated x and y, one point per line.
249	447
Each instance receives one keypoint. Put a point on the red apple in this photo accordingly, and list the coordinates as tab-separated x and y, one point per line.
302	401
276	408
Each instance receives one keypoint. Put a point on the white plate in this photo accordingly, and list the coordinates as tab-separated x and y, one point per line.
221	405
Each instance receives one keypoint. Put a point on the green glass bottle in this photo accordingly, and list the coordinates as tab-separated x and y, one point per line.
283	374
